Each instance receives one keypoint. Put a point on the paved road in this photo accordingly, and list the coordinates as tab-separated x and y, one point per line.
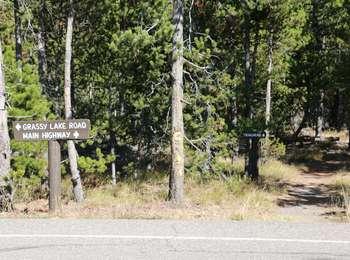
158	239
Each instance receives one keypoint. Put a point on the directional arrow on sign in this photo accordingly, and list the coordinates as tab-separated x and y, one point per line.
76	134
18	127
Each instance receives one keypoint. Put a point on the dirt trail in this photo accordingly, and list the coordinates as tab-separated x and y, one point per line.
311	197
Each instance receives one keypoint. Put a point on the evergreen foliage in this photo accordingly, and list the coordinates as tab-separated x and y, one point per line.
121	78
25	102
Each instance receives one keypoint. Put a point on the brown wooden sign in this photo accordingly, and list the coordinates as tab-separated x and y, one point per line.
75	129
255	134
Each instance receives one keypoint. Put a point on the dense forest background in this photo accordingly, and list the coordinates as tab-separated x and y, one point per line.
250	65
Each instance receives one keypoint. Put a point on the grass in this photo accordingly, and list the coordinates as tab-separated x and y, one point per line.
341	184
345	192
205	198
224	196
210	199
343	135
305	154
277	171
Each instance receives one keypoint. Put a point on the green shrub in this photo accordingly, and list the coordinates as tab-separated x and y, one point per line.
239	185
272	148
95	168
26	102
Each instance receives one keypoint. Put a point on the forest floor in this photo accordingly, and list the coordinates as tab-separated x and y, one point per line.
312	184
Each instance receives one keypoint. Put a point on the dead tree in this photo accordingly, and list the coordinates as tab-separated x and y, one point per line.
269	83
177	147
72	152
18	33
5	151
42	49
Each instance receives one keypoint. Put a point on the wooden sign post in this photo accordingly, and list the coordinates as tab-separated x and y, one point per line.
52	131
54	176
251	141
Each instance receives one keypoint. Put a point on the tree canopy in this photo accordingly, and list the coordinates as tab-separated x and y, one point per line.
121	77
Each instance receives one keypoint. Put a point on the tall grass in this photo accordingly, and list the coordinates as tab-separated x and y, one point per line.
346	201
211	197
206	197
342	187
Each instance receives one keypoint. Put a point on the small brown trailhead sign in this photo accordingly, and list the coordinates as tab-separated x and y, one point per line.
249	145
74	129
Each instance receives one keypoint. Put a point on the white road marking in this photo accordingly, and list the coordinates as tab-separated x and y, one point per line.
185	238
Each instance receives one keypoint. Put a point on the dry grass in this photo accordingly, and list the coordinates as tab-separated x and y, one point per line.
205	198
343	135
341	184
299	155
277	171
213	198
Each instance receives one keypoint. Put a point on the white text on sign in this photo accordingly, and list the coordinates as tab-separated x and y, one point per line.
51	126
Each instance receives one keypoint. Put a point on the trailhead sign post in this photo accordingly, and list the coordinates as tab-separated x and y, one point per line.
249	144
52	131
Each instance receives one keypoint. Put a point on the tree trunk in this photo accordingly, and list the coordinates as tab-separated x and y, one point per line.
42	50
233	113
320	121
348	138
113	168
347	118
320	116
247	69
301	126
18	37
319	48
340	110
177	172
268	87
113	164
252	159
254	55
207	162
72	153
5	150
112	118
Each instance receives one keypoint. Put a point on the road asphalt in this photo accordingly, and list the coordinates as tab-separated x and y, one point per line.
171	239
